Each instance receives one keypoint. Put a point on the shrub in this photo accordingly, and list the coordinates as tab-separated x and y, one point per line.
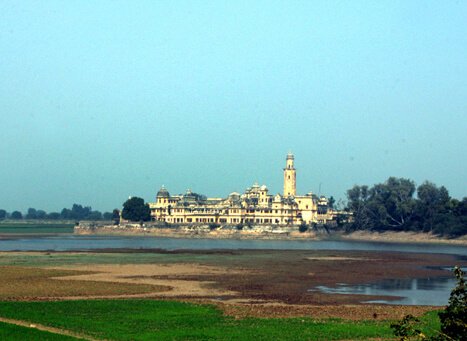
213	226
303	227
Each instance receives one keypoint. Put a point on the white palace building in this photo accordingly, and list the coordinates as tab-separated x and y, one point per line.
254	207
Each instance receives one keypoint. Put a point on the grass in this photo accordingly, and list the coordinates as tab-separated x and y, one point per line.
14	332
35	228
170	320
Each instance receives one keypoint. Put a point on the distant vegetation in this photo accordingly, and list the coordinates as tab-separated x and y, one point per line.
392	205
134	209
76	212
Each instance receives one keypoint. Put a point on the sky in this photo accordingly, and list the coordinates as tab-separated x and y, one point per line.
102	100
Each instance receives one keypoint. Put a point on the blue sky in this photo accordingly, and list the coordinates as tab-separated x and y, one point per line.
102	100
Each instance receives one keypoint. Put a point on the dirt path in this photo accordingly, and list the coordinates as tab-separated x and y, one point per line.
46	328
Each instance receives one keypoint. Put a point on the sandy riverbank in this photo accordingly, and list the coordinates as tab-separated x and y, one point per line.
200	232
288	233
402	237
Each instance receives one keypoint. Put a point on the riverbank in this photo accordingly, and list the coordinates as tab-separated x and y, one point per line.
200	231
263	232
402	237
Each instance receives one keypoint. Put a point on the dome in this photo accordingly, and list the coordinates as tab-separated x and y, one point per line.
264	188
163	193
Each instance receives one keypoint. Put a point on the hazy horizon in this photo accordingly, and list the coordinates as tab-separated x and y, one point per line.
103	100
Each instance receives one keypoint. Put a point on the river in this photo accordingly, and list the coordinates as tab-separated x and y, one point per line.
89	243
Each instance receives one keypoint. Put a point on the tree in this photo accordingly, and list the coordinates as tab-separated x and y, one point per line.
454	317
358	197
41	214
388	205
54	215
331	202
432	202
94	215
2	214
32	213
134	209
16	215
116	216
107	215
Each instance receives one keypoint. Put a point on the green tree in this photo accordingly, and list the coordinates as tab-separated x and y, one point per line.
134	209
116	216
32	213
2	214
107	215
358	198
388	205
16	215
454	317
94	215
54	216
432	202
331	202
41	214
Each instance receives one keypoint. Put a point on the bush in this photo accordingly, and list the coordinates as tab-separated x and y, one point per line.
303	227
213	226
454	317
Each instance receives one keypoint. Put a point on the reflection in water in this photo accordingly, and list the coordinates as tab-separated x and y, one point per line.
417	291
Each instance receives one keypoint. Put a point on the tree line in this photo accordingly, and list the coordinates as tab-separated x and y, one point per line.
76	212
398	205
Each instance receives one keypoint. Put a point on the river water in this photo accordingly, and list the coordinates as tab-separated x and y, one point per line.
415	291
78	242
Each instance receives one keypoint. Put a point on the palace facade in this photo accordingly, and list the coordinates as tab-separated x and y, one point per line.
254	206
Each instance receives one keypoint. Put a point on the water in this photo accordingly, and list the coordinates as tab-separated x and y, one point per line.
416	291
77	243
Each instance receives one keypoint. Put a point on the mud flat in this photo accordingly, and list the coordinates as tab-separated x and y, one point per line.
272	283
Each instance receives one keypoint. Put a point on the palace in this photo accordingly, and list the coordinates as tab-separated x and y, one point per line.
255	206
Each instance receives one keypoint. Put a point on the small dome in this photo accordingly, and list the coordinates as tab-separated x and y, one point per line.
163	193
264	188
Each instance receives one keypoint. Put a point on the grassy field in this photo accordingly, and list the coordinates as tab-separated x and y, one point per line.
14	332
170	320
35	228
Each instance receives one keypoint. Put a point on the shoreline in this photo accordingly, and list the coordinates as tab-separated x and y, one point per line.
262	233
402	237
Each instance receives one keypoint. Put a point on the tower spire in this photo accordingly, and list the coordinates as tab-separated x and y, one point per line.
290	183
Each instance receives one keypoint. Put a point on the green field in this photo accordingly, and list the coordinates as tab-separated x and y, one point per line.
35	228
14	332
170	320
